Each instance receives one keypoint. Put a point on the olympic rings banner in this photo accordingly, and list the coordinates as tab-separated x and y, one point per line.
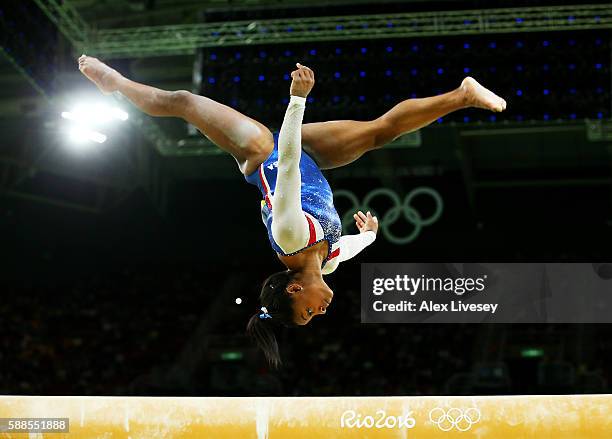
503	417
400	209
487	292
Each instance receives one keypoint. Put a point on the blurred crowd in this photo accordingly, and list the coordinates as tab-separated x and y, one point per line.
125	332
94	335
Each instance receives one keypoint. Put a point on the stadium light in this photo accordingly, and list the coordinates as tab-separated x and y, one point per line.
95	114
81	134
86	118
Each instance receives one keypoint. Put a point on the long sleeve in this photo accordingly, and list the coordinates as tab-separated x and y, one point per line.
351	245
289	225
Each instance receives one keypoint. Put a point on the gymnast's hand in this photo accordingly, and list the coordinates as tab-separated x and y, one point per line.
302	81
366	222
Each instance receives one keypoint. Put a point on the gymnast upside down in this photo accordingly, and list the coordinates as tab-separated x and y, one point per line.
297	208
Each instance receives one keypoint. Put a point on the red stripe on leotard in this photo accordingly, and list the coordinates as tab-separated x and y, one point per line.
334	254
311	228
265	186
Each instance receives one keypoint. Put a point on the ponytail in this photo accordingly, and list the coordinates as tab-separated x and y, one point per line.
276	310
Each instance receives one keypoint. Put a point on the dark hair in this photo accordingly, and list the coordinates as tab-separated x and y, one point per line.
278	301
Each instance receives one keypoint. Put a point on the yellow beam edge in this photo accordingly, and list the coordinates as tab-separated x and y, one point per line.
500	417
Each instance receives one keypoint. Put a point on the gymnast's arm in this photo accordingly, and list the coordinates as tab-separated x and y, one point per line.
351	245
289	225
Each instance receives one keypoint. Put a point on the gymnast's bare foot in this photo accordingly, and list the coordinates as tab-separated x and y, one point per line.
99	73
478	96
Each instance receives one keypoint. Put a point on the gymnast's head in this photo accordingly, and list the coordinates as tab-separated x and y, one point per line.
287	298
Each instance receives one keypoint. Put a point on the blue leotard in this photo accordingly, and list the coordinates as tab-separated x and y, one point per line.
317	201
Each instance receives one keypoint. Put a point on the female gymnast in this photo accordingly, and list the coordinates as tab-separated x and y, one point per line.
297	208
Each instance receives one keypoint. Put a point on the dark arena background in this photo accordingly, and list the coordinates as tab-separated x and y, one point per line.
122	260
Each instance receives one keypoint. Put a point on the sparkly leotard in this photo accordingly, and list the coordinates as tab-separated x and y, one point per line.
317	201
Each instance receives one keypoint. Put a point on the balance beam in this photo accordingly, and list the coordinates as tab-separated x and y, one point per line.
542	417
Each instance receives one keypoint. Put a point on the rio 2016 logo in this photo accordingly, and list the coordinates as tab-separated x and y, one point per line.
399	207
352	419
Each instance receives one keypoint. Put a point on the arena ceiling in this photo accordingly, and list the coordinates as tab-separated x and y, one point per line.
15	91
128	13
21	104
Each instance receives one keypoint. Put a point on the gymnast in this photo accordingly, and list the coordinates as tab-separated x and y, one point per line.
297	208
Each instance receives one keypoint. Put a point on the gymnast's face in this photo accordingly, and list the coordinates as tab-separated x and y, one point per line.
309	300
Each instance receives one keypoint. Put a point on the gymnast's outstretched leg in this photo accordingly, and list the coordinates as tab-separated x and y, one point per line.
247	140
337	143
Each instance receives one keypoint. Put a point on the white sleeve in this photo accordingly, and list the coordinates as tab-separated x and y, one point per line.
289	225
351	245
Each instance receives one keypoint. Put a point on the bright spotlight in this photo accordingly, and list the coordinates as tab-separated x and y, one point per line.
120	114
97	137
78	135
82	135
87	118
68	115
95	114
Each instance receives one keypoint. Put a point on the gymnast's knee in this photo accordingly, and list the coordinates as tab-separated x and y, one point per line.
254	150
258	147
384	132
178	102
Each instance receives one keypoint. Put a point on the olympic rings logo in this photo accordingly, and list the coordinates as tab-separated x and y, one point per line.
460	419
399	207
